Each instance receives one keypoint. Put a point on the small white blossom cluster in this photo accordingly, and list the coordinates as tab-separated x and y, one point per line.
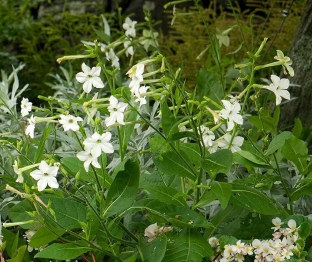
93	148
137	91
277	249
116	110
153	230
224	142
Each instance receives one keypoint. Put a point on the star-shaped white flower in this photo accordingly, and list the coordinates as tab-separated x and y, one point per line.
279	88
129	48
136	74
99	143
116	110
46	175
89	77
89	157
231	113
129	26
235	146
287	62
70	122
25	106
30	129
142	97
223	37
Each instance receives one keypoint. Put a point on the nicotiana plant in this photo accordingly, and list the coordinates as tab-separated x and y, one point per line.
128	163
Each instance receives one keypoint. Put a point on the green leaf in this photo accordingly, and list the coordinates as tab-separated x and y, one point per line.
155	250
253	159
126	130
68	213
45	235
297	129
177	215
172	163
209	85
187	246
62	251
44	137
304	189
296	151
192	151
222	191
278	142
20	254
253	200
305	230
206	199
167	118
167	195
20	212
123	190
218	162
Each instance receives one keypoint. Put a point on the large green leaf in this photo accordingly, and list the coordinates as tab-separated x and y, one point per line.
296	151
192	151
167	118
255	160
21	213
154	251
278	142
123	190
167	195
68	213
19	255
253	200
222	191
304	189
45	235
187	246
172	163
62	251
218	162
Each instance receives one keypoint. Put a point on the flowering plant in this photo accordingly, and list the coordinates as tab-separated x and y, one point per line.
135	166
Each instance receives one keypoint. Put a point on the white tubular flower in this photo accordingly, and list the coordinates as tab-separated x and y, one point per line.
89	157
287	62
231	114
89	77
129	26
25	106
129	48
207	135
30	129
225	142
223	37
136	74
116	110
279	88
111	56
99	143
141	97
148	39
70	122
46	175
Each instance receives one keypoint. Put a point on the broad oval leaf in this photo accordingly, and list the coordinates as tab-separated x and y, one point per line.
155	250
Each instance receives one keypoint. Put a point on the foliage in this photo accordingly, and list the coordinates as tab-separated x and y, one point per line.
128	163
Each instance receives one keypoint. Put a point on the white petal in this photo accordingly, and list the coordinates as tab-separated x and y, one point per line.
52	182
42	184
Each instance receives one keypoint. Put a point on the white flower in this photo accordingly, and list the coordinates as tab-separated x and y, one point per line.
231	114
213	242
207	135
111	56
129	48
99	143
30	129
136	74
46	175
279	88
148	39
141	97
89	77
287	62
225	142
223	37
151	232
89	157
292	225
69	122
20	178
149	5
277	222
25	106
129	26
116	110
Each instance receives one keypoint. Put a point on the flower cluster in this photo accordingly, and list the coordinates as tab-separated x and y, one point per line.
153	230
93	148
277	249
